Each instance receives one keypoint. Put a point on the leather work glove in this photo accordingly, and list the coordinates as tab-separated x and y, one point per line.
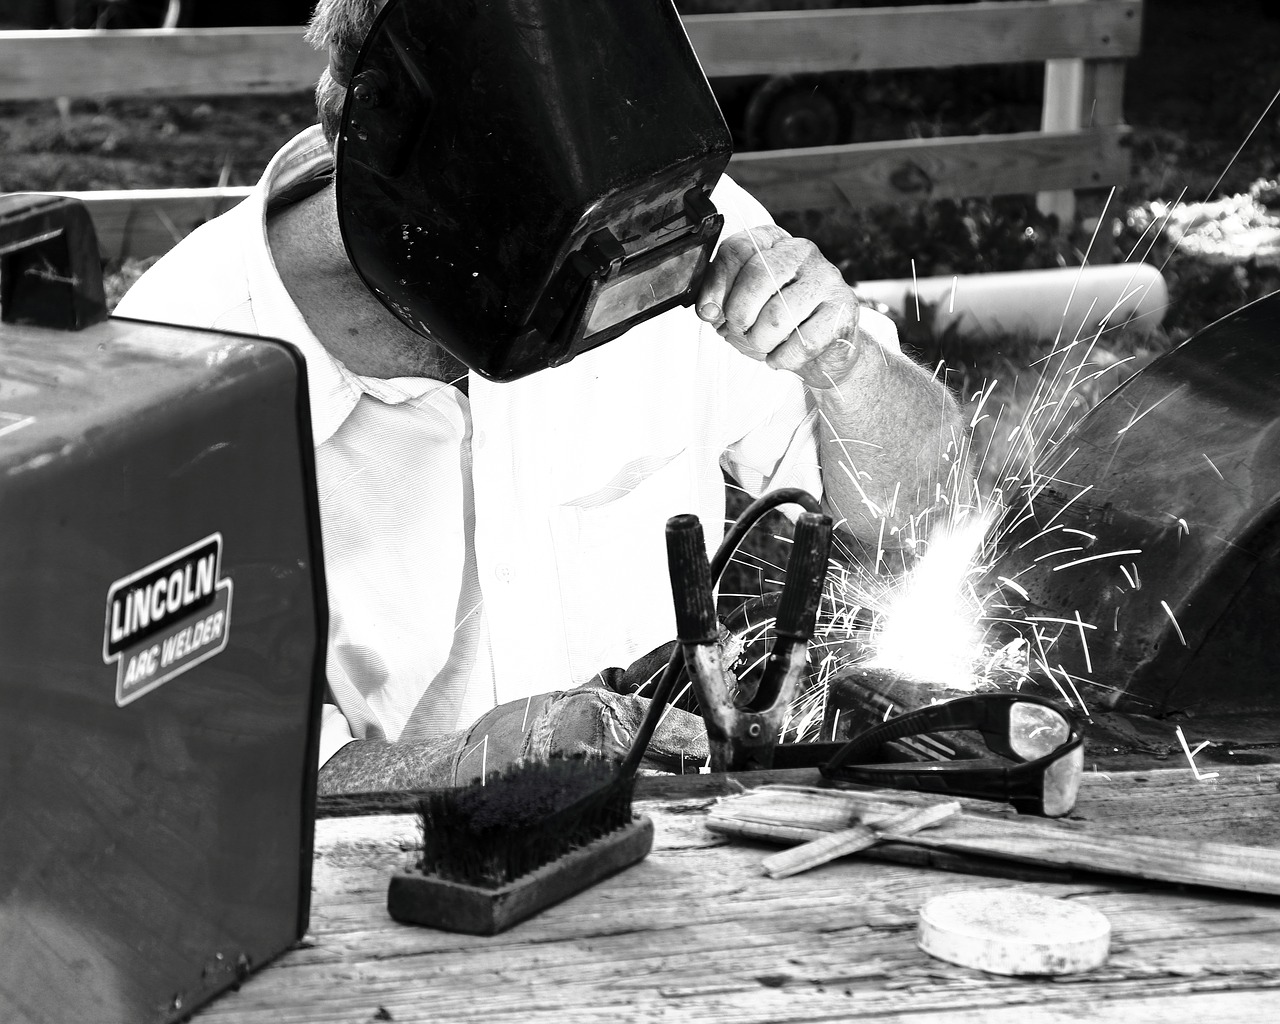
600	717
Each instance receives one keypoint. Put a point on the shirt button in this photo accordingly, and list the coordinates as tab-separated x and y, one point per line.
479	440
504	572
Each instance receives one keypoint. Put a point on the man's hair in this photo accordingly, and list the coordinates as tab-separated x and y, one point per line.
338	26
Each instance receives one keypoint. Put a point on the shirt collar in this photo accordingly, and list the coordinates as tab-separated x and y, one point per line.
302	165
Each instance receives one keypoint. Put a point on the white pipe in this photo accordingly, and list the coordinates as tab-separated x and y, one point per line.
1066	303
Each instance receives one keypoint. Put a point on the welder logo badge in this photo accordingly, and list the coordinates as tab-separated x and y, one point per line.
167	618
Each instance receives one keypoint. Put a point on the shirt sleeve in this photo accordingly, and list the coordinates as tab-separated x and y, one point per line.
335	733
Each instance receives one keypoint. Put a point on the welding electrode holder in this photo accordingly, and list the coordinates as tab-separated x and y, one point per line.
744	738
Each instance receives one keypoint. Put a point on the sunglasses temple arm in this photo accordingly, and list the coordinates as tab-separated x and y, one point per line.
952	714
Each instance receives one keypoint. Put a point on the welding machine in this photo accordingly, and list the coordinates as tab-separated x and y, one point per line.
162	628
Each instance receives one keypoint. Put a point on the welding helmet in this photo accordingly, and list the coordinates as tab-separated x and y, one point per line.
523	180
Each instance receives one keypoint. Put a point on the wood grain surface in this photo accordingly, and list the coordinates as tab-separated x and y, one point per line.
696	933
275	59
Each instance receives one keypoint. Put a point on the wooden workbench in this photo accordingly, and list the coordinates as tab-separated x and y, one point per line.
696	933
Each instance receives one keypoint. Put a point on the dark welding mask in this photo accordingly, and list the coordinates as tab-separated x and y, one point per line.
523	180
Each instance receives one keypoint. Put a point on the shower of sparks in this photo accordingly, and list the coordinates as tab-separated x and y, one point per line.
930	611
935	593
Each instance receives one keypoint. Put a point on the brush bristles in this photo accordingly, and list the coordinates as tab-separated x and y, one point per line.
521	819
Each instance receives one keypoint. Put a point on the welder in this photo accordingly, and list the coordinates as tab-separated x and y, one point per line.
493	545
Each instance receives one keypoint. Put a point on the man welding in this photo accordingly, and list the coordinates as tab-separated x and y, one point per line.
494	480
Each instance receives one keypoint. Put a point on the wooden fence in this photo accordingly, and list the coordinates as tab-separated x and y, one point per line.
1083	44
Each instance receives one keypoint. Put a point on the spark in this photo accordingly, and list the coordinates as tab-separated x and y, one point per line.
915	287
1261	118
1071	683
951	307
483	747
1191	756
1214	468
1066	622
1015	587
1136	419
1084	644
1178	629
1060	551
1094	558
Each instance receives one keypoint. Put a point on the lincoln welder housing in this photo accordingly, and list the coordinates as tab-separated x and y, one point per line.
162	631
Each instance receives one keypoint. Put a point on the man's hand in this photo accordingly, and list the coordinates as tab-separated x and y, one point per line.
890	435
776	298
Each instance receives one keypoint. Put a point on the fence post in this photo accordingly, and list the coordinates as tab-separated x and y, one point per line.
1078	94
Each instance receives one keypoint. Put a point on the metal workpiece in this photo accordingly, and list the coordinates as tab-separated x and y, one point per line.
1158	523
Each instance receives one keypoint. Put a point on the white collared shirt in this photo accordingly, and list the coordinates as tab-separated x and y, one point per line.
482	549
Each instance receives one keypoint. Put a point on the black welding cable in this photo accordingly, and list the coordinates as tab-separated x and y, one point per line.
743	525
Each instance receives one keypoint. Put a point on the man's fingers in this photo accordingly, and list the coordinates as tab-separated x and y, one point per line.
824	347
733	254
772	293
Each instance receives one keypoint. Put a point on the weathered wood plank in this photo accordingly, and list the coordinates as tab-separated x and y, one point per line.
937	35
157	62
221	61
694	932
147	222
809	815
859	175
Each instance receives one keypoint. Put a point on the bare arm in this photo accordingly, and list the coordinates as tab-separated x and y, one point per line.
891	440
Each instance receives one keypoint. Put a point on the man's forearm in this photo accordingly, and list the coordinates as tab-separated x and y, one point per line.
890	436
376	766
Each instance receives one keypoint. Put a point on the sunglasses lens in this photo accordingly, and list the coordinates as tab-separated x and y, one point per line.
1036	731
1062	783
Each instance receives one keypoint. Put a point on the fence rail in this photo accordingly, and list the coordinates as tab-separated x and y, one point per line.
1083	44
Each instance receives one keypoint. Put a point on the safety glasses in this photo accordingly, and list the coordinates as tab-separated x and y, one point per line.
1044	739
